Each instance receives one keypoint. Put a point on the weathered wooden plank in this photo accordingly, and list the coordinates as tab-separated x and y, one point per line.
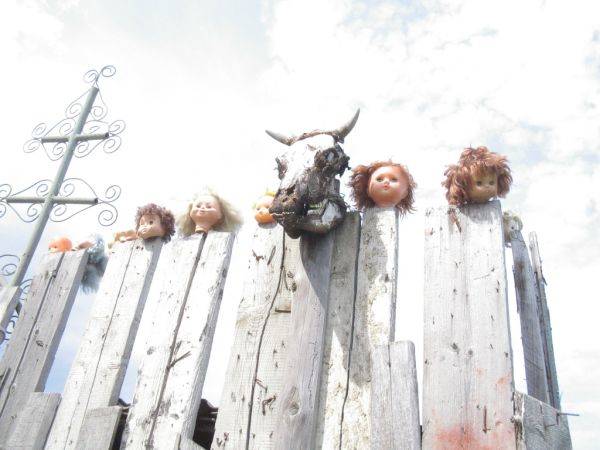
300	395
467	378
374	317
166	300
183	443
97	372
545	324
99	428
540	426
186	372
238	406
9	296
340	321
33	425
527	306
394	398
32	371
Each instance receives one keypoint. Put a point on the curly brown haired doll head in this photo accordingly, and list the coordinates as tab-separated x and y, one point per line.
384	184
152	220
479	176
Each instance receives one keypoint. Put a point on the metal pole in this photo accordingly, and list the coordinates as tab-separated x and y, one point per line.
56	184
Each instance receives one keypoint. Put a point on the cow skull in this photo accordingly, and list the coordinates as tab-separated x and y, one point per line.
308	198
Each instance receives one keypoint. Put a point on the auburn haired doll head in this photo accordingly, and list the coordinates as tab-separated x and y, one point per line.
208	211
479	176
152	220
384	184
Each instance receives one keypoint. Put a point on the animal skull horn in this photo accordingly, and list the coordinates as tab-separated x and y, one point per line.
338	135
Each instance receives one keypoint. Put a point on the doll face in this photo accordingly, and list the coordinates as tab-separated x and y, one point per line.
388	186
150	226
206	212
483	186
62	244
261	210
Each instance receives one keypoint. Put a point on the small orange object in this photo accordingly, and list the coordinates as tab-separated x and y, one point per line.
261	209
60	244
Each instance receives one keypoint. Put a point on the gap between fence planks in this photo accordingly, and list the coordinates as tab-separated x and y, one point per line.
540	426
374	318
99	428
527	306
468	378
296	428
43	333
246	418
32	427
394	398
96	374
545	324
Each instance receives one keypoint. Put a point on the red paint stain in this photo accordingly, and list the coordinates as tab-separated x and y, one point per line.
461	437
503	380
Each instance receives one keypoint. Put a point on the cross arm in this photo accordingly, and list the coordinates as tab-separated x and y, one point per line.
77	137
56	199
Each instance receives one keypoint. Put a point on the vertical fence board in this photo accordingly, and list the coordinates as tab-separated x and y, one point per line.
340	321
527	305
273	352
374	317
467	379
261	284
540	425
9	296
395	399
38	355
187	369
300	396
166	299
33	425
99	428
545	324
96	374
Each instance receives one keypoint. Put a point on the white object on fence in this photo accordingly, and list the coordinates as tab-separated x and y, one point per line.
254	378
527	306
9	296
374	318
99	428
297	425
32	427
545	325
540	426
340	320
32	348
182	304
468	378
96	374
394	398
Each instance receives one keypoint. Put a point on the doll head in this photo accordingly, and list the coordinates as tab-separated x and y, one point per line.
208	211
261	208
383	184
479	176
60	244
152	220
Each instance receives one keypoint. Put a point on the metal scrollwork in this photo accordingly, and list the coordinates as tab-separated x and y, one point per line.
8	264
92	76
40	188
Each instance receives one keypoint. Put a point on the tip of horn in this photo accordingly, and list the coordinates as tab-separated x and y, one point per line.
347	128
278	137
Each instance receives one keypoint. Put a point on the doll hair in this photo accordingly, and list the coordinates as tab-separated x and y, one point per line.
167	219
96	265
474	161
359	182
231	220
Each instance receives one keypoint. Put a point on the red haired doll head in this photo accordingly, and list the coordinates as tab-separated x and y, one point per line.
479	176
383	184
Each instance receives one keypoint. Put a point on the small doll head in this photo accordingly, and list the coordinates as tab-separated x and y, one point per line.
479	176
261	208
384	184
152	220
60	244
208	211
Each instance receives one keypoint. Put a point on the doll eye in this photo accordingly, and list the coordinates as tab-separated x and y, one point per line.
151	222
380	179
479	183
491	183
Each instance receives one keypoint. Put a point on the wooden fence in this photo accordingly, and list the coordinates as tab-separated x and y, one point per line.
314	363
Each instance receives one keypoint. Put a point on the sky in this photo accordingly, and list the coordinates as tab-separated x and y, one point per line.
197	83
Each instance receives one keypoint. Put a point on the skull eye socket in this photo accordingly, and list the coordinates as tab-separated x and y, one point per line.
281	168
